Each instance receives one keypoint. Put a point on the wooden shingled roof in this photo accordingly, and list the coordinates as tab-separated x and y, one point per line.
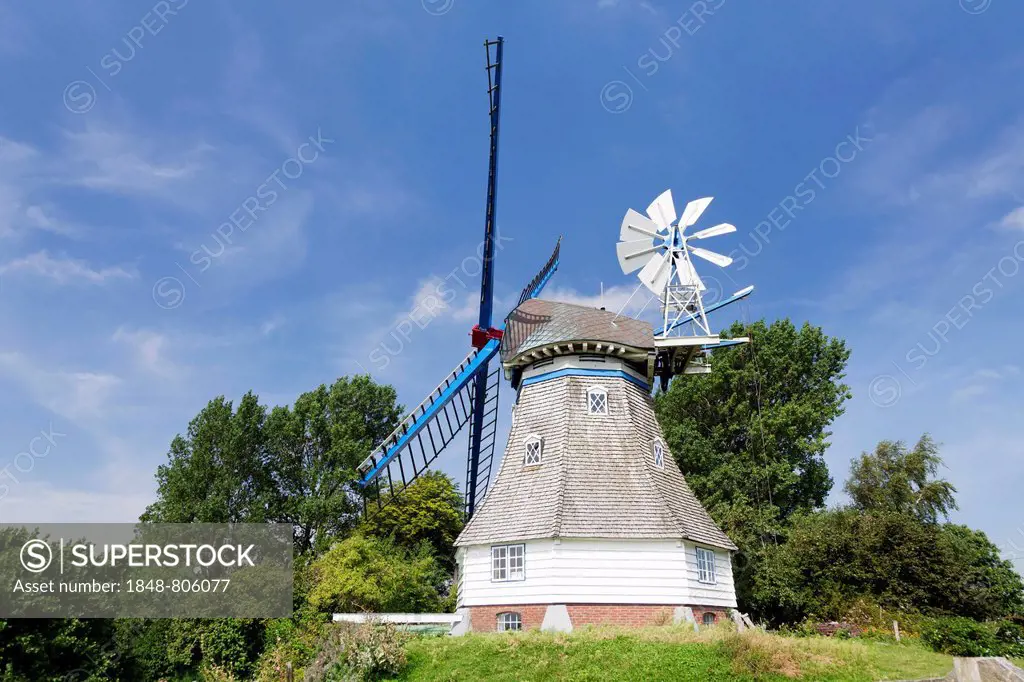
537	323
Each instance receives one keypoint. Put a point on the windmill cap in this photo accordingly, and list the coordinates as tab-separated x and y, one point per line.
539	324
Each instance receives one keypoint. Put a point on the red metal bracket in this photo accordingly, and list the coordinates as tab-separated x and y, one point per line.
480	336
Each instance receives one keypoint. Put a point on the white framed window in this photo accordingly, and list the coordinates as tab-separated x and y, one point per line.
533	450
705	565
509	620
597	400
508	562
708	618
658	450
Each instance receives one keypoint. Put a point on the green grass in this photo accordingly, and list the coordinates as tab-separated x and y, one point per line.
666	653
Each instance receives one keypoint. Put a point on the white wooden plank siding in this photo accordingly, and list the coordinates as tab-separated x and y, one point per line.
597	571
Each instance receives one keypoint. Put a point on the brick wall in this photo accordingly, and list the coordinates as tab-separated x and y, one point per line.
720	613
485	618
627	615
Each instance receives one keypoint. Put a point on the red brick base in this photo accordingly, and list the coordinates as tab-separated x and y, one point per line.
718	612
485	618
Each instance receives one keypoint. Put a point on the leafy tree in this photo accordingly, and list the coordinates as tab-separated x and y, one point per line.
893	478
750	436
428	510
221	471
294	465
55	650
831	559
373	574
317	445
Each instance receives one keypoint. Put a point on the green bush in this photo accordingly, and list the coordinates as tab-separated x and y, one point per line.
960	636
1010	636
359	652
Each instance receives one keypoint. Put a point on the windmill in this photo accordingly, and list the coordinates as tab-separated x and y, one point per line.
469	394
590	521
658	245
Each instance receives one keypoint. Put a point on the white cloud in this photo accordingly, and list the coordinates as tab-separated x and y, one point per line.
64	270
148	348
1014	219
623	298
79	396
121	162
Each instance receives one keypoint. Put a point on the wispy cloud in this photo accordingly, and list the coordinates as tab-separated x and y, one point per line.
79	396
64	270
1013	220
148	348
120	162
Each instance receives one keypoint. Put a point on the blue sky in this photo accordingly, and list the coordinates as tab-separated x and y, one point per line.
871	155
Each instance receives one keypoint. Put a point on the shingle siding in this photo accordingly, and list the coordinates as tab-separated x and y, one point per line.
597	479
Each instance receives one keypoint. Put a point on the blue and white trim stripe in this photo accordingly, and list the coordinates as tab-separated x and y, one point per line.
583	372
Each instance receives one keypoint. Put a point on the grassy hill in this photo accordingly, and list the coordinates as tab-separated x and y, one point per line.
666	653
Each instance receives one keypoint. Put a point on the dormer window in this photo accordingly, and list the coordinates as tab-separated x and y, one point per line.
658	450
597	400
533	451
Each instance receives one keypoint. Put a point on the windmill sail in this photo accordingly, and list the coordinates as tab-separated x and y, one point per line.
424	433
470	393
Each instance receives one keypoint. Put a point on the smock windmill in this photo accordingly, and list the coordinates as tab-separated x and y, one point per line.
469	394
590	521
659	246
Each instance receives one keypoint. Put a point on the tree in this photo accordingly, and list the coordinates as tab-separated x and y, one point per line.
317	445
294	465
750	436
372	574
428	510
893	478
832	559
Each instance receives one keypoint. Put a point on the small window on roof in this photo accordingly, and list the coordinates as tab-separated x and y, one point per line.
533	448
658	450
597	400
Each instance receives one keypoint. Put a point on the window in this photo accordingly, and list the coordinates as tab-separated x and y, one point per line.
510	620
705	565
659	454
534	448
709	618
508	562
597	401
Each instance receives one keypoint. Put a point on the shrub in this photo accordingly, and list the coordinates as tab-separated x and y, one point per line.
960	636
360	652
1010	636
215	673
